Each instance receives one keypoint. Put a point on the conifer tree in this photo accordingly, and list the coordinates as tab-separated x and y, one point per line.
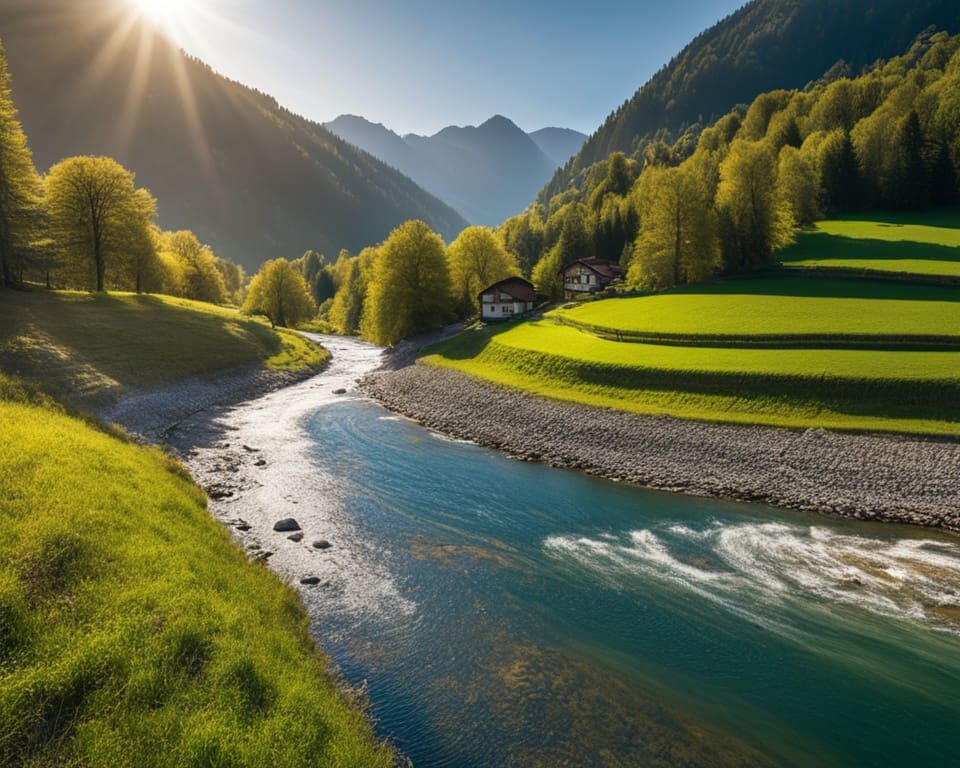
20	186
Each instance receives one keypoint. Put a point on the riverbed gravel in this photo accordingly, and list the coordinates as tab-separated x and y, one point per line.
869	477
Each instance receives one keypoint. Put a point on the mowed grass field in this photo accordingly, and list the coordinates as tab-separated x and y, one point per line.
81	346
801	350
782	306
133	632
916	244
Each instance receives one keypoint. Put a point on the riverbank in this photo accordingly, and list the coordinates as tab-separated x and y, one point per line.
869	477
154	415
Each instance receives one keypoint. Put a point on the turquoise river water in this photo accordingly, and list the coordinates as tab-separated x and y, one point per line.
508	614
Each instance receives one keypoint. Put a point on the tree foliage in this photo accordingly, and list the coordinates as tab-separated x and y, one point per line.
409	287
477	259
678	238
20	187
97	215
279	292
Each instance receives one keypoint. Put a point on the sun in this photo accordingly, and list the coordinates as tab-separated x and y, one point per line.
167	14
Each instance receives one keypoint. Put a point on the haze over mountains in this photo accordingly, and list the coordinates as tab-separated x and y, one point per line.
249	177
488	173
765	45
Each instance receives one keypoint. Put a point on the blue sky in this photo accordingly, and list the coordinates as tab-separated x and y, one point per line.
420	65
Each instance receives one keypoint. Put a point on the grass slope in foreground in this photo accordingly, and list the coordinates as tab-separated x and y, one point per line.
96	347
927	245
792	352
133	631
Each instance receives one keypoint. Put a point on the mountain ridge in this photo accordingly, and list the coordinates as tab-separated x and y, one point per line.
754	50
251	178
487	172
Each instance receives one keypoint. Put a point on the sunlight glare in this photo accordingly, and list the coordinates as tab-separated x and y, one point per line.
167	14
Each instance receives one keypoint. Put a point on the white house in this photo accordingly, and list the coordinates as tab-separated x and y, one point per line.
508	298
589	276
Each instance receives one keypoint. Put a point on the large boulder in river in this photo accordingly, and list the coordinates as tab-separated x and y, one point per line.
286	525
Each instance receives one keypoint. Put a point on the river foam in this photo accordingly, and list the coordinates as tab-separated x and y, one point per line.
760	568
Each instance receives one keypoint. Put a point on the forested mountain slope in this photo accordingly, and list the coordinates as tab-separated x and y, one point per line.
767	44
250	178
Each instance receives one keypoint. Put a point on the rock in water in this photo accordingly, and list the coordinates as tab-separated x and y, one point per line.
295	537
340	391
322	544
310	580
287	524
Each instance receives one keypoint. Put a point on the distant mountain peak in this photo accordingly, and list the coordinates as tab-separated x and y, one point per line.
487	172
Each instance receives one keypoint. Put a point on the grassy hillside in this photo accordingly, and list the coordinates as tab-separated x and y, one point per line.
133	632
799	350
90	348
926	245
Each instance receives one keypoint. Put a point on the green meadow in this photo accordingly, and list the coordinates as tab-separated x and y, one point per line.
83	347
804	349
781	306
918	244
133	631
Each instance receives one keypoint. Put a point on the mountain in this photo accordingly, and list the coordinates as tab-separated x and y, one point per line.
249	177
488	173
559	144
765	45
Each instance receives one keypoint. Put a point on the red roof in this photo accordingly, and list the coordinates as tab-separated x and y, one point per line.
515	287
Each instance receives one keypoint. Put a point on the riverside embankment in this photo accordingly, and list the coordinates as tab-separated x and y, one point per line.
870	477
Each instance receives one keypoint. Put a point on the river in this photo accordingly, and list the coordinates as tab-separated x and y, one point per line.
502	613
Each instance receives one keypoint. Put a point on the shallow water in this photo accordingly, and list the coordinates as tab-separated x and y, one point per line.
507	614
541	617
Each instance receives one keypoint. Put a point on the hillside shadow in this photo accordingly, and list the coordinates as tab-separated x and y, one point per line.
818	286
821	245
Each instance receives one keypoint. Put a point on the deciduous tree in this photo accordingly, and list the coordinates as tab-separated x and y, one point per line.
279	291
755	220
477	259
409	288
96	213
678	238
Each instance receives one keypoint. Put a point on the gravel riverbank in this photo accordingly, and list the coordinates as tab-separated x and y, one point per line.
154	414
871	477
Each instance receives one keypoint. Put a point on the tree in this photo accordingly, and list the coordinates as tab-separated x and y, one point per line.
678	239
20	185
799	185
202	280
756	221
910	178
546	274
279	291
96	213
409	288
477	259
841	184
524	235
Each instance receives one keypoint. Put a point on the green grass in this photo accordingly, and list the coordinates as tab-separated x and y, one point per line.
81	346
133	631
917	244
792	306
860	390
